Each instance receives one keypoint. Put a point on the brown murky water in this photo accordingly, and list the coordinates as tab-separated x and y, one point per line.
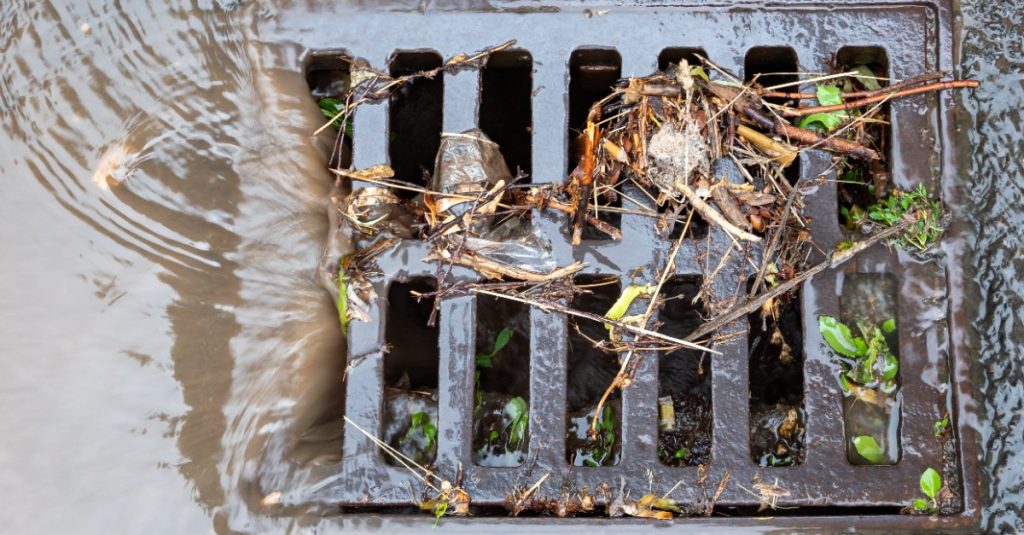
161	328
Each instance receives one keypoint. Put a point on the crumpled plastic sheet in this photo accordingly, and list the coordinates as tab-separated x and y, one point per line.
470	163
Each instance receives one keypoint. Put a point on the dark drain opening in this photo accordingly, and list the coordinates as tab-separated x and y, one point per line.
871	413
327	75
592	74
684	381
506	115
415	119
777	419
774	65
410	371
857	179
590	371
502	376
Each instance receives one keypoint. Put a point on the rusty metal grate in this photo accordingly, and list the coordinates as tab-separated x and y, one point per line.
914	37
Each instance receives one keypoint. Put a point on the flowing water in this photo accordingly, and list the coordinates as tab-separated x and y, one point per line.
163	338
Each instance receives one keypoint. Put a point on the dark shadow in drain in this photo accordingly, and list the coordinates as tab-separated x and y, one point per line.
502	392
777	419
410	372
590	371
415	118
774	65
684	381
506	113
592	74
327	75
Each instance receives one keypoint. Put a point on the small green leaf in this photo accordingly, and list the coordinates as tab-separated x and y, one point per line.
890	368
492	436
931	482
484	361
418	418
839	338
501	340
889	325
941	425
920	505
829	95
698	71
518	414
869	449
823	121
681	453
866	78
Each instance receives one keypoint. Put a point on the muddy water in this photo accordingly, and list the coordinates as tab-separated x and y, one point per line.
162	335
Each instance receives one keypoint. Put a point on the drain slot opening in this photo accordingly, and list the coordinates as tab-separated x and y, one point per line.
415	119
411	372
328	78
871	406
774	65
777	418
684	381
590	371
502	382
592	74
506	113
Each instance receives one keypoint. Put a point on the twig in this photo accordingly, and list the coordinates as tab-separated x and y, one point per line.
713	215
599	319
837	258
848	106
920	79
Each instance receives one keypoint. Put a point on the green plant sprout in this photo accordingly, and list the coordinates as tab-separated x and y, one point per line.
601	453
901	204
681	453
873	364
931	484
419	422
941	425
518	416
486	360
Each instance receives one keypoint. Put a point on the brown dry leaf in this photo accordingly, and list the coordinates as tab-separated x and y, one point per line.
374	172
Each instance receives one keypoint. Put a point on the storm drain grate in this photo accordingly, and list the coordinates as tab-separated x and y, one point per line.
527	99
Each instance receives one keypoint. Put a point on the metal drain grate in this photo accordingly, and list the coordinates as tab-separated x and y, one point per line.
913	38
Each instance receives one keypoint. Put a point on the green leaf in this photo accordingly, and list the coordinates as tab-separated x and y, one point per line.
920	505
342	302
941	425
501	340
839	338
866	78
698	71
823	120
681	453
484	361
492	436
418	418
869	449
621	305
889	325
931	482
828	95
891	367
518	414
430	433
